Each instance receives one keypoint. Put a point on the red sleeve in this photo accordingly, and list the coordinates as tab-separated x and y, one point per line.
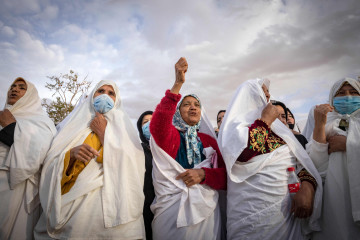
258	135
214	177
162	130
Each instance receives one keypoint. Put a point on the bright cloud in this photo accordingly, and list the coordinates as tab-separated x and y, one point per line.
302	46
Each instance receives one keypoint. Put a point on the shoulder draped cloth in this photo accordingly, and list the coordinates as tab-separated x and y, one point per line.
352	144
33	134
245	107
123	166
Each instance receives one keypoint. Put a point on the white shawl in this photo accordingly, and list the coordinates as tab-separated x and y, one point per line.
123	166
33	134
352	144
32	138
243	110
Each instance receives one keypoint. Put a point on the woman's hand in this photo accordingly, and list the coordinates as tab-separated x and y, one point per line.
302	203
83	152
6	118
320	117
98	126
180	69
192	176
320	114
337	144
269	114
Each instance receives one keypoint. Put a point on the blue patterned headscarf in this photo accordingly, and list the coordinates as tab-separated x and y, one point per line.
190	133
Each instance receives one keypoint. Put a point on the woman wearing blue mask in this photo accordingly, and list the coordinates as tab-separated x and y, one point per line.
92	179
144	133
335	149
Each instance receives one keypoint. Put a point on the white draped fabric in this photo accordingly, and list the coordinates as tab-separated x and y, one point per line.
20	166
107	199
181	212
340	171
258	200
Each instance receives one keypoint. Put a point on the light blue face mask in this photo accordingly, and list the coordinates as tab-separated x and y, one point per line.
103	103
346	104
146	130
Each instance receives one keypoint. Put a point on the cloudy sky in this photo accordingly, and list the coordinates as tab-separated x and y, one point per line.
302	46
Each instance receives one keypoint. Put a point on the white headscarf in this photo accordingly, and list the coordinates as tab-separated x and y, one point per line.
352	142
32	138
243	110
123	163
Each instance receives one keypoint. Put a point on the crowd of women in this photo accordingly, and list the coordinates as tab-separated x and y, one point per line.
92	178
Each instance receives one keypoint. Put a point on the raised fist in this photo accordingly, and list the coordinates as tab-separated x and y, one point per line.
320	114
180	69
269	114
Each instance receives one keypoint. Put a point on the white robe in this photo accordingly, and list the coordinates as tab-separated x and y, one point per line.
181	212
20	166
258	200
107	199
340	170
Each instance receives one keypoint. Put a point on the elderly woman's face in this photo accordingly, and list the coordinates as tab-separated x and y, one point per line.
17	91
106	89
266	91
190	110
347	90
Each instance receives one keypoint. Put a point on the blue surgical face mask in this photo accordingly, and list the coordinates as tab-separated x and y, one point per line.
103	103
346	104
146	130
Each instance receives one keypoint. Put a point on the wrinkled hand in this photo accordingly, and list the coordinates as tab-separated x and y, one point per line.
192	176
303	201
337	144
6	118
269	114
320	114
83	152
98	126
180	69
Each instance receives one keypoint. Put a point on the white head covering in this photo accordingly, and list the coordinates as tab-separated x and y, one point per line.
32	138
352	142
63	122
123	164
310	123
243	110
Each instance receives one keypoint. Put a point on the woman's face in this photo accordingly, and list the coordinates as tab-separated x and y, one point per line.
290	119
17	91
347	90
106	89
190	110
220	118
146	119
266	91
282	115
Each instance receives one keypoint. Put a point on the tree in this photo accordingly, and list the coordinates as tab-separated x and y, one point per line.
68	89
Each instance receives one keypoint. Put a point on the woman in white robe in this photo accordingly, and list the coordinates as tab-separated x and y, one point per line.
106	200
258	200
335	150
20	163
